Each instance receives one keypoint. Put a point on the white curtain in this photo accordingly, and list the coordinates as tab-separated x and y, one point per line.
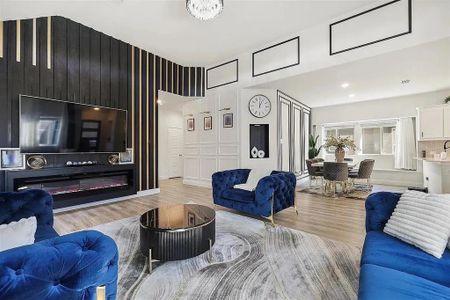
405	145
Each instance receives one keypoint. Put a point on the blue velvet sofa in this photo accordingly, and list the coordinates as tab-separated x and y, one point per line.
54	267
392	269
280	185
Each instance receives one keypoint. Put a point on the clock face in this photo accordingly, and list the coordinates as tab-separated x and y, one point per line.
259	106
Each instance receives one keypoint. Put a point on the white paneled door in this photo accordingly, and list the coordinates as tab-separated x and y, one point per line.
175	138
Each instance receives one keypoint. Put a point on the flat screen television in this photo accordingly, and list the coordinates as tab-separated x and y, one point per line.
53	126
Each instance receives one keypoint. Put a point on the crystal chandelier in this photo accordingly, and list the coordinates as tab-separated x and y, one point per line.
204	9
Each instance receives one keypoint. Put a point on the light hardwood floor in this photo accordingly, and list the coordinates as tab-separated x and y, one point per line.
335	218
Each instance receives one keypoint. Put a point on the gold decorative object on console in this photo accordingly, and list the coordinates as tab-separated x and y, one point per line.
36	162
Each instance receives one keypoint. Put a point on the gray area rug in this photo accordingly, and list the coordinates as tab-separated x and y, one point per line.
250	260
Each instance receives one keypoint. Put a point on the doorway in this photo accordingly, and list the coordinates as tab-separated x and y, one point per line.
293	132
175	150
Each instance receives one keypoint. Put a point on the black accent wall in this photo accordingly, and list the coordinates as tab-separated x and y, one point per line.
89	67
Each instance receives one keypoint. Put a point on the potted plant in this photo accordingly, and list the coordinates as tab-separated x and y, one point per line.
447	100
340	144
313	150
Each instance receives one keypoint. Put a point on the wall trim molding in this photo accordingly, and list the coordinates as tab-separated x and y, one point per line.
221	65
376	41
273	46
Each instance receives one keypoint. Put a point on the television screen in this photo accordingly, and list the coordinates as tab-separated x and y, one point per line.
52	126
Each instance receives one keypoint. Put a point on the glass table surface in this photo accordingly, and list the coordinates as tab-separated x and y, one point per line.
183	216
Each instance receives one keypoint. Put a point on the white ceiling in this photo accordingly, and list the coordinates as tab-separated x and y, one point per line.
426	66
165	27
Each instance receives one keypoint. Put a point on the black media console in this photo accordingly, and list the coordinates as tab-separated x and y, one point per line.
76	185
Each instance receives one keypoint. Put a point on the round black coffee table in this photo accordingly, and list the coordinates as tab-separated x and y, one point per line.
177	232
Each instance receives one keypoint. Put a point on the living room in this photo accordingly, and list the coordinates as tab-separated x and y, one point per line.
224	149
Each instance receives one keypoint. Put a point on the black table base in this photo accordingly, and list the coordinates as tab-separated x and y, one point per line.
179	243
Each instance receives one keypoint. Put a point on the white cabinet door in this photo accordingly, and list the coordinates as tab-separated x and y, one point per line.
447	122
431	123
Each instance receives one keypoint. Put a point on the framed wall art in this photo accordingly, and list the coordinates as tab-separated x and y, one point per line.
190	124
228	120
11	159
207	123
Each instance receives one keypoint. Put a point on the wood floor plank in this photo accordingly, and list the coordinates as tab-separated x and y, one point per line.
335	218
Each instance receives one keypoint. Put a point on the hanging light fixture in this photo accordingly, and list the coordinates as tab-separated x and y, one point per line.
204	9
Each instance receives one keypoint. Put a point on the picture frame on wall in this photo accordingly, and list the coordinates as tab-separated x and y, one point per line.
228	120
126	158
11	159
207	123
190	124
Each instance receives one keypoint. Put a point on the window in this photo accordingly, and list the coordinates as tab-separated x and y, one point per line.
340	132
388	140
378	140
371	140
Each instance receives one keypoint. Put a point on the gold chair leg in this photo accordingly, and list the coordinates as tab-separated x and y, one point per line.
101	292
295	203
270	218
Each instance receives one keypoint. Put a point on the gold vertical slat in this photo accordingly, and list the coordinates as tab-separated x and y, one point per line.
201	81
173	80
147	120
178	81
49	42
167	75
182	81
160	73
189	81
155	93
1	39
132	97
140	119
154	123
195	81
18	40
33	59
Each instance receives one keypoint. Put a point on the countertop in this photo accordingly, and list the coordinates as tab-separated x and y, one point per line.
430	159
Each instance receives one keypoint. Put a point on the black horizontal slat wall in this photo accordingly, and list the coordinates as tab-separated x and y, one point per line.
55	57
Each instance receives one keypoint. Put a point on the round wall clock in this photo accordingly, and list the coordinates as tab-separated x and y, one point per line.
259	106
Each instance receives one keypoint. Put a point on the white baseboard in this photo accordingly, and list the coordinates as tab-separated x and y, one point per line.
107	201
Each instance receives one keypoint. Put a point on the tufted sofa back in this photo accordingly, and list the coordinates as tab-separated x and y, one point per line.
15	206
67	267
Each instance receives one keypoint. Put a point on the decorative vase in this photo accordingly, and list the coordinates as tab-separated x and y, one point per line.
339	154
261	154
254	152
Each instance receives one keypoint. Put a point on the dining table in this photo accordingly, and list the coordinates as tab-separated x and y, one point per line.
350	164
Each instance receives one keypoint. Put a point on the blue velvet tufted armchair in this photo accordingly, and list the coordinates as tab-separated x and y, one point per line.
272	194
81	265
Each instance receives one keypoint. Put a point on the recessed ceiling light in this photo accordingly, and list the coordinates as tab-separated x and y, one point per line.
405	81
159	102
96	108
345	85
351	95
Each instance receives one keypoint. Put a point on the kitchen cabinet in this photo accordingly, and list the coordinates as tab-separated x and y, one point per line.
447	122
431	123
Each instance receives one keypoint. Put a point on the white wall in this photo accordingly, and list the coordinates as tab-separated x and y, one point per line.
431	20
204	155
247	118
208	151
166	120
374	110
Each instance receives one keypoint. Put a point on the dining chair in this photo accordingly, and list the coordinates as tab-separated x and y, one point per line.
335	173
364	172
314	172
